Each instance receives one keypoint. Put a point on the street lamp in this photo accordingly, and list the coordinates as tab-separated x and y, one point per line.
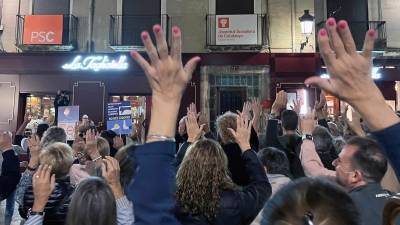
307	24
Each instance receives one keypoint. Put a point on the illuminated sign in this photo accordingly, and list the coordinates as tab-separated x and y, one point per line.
97	63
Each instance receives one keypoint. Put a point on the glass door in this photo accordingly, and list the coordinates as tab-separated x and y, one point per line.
41	108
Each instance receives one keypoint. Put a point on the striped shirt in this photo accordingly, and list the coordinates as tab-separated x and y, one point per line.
124	214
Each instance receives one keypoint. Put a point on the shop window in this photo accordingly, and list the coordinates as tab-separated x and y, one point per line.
41	108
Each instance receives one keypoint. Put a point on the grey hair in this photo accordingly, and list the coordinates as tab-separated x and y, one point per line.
322	138
52	135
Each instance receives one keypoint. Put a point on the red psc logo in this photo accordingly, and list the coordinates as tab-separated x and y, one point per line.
223	22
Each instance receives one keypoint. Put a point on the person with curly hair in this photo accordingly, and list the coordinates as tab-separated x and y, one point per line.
206	193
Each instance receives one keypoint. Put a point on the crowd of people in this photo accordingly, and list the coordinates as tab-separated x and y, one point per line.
301	170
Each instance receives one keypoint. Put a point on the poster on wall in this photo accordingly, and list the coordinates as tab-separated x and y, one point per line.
236	29
68	116
43	29
119	117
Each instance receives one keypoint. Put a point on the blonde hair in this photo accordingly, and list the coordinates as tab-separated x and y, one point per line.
225	121
103	147
59	156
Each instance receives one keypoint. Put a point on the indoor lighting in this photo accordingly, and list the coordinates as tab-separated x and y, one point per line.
304	108
376	74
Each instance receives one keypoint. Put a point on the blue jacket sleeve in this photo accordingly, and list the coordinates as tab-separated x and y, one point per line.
389	138
153	187
10	174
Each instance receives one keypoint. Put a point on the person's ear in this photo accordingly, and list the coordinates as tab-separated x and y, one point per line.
357	176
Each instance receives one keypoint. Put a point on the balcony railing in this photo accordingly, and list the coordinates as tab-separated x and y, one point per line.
125	30
258	40
69	36
358	30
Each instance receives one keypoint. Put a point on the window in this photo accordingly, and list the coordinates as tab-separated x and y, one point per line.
41	108
138	15
50	7
226	7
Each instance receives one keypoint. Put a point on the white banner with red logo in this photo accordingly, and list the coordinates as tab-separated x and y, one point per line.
236	29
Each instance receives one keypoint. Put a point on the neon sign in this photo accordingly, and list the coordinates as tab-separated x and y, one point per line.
97	63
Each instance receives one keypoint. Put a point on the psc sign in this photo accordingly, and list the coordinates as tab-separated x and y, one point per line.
43	29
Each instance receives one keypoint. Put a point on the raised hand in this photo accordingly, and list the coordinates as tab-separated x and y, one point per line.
256	108
246	110
279	103
165	72
296	106
355	123
350	73
203	120
43	185
307	123
194	131
167	78
118	142
34	148
242	133
91	144
111	172
320	107
192	109
27	118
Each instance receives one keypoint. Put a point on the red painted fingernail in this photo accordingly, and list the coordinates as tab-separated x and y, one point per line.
371	33
156	28
134	53
175	29
331	22
145	35
322	32
342	24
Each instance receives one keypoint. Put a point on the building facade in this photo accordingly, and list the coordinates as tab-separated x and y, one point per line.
270	54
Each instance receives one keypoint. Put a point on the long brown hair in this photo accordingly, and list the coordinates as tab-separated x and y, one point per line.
201	177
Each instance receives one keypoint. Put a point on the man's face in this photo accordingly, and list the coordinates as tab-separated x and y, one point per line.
182	127
345	172
85	118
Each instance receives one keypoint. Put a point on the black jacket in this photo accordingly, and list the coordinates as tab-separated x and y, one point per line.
236	207
370	201
10	174
290	144
236	164
57	206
